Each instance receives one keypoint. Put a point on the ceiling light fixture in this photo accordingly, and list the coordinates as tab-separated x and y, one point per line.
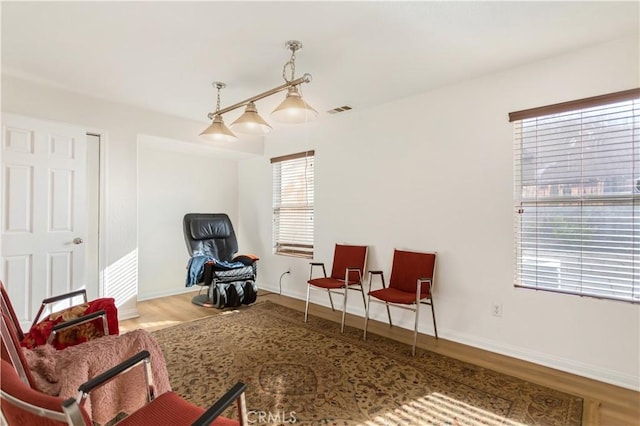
294	109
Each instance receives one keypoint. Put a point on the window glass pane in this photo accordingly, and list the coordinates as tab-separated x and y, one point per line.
574	247
293	190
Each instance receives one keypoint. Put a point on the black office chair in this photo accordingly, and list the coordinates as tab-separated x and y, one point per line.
212	245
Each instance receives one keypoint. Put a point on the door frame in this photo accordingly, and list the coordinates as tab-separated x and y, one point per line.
102	136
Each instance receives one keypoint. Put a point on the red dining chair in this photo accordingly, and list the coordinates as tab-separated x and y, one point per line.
71	326
410	285
22	405
349	264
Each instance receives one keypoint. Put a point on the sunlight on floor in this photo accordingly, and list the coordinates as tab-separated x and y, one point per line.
437	408
150	325
133	324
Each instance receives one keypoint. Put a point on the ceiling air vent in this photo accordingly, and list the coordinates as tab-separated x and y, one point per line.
339	109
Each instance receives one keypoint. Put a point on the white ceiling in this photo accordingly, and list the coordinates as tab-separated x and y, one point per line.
164	55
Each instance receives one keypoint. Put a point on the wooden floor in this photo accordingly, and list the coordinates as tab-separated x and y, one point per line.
604	404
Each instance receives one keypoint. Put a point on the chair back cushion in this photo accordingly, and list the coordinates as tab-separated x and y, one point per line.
16	415
408	267
210	234
346	256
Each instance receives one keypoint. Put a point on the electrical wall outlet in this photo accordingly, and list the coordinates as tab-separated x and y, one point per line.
496	309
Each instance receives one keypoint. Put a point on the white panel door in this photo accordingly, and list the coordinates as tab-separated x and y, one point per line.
43	212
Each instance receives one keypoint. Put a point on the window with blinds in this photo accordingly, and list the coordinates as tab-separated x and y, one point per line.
293	183
577	197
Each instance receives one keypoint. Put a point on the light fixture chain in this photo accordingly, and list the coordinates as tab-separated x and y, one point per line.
291	64
218	99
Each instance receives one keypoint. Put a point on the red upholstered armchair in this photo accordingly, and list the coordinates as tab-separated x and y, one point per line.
76	324
61	372
22	405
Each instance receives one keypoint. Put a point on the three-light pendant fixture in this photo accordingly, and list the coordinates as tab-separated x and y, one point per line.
293	109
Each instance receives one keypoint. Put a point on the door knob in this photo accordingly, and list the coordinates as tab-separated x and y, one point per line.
78	240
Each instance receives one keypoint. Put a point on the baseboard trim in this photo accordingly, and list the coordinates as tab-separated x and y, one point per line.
127	314
558	363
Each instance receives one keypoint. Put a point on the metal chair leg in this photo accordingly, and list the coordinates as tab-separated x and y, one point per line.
364	302
306	305
415	331
344	307
330	300
433	314
366	317
388	314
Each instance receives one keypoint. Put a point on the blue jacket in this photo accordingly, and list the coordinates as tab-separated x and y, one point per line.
195	268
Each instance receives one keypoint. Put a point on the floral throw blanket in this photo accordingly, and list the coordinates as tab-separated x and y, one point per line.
40	332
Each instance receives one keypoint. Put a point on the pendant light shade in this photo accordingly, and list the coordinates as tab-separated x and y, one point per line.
294	109
218	131
250	122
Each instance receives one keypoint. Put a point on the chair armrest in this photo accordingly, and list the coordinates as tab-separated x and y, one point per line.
247	259
69	295
80	320
233	394
112	373
58	298
312	264
376	272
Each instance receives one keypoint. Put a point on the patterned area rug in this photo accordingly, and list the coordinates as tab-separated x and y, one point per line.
310	374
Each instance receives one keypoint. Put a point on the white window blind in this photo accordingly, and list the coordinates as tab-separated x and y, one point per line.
293	185
577	196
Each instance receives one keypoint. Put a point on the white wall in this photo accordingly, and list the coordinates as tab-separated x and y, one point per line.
173	181
435	172
119	126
